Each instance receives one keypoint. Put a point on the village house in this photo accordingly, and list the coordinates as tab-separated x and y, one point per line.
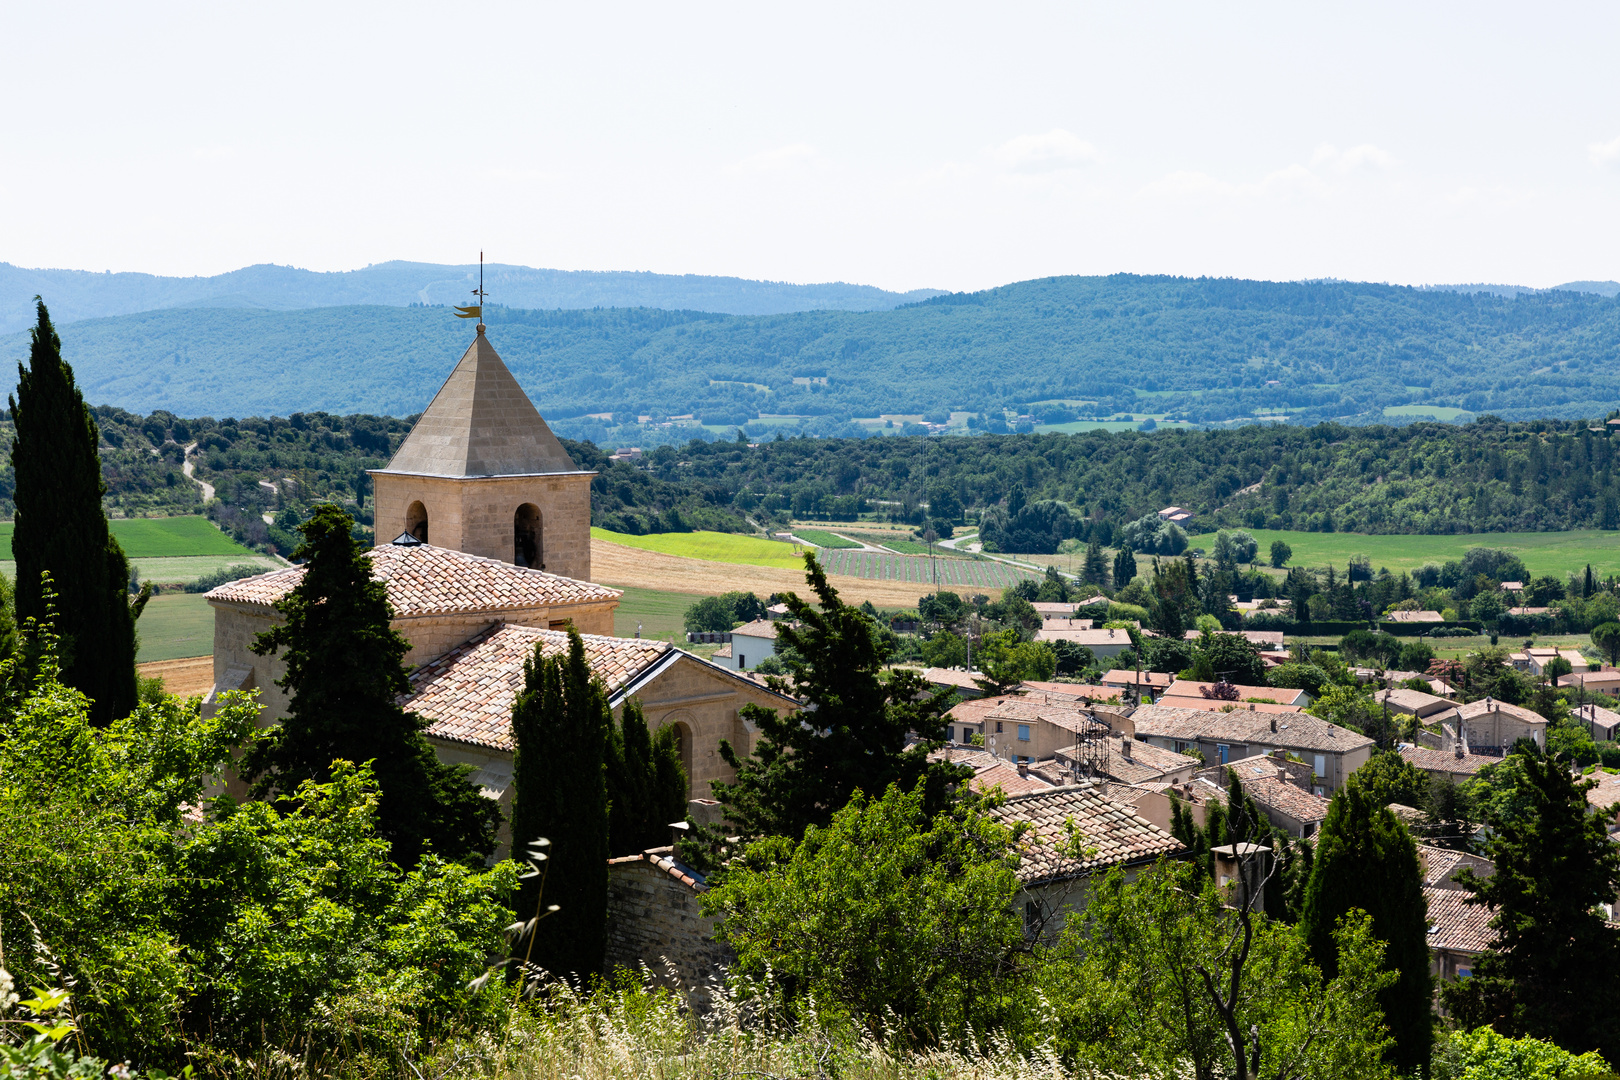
1050	610
1280	786
751	645
1104	644
1455	764
1053	879
1492	727
1459	932
491	561
1404	701
1603	723
1332	752
1534	660
1264	640
1605	680
1414	617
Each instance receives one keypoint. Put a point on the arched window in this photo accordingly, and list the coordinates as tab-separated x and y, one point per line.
416	522
683	738
528	546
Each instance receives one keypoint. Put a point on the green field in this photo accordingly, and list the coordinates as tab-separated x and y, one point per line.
175	625
712	546
1555	553
661	615
158	538
824	539
179	571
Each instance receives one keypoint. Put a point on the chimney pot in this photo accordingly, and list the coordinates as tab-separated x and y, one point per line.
1125	747
1274	724
1023	768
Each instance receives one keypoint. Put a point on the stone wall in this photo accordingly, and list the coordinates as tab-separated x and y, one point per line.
475	515
707	707
653	916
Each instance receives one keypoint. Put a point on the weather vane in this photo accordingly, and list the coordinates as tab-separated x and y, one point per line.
477	310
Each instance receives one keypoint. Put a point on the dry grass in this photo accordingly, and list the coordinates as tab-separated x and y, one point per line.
620	566
190	677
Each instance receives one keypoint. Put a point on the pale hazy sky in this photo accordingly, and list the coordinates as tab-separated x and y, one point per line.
947	145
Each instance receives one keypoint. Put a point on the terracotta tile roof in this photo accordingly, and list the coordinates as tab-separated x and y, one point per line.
1607	792
1081	691
1047	609
427	580
1595	715
1129	677
1146	764
1489	705
1280	695
1456	925
1089	638
1263	638
1413	616
1116	832
1410	700
1050	623
1004	776
1198	701
1299	731
760	628
1286	798
1445	761
467	694
664	859
963	680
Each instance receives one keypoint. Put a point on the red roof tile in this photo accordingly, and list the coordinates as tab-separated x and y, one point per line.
427	580
1456	925
467	694
1111	832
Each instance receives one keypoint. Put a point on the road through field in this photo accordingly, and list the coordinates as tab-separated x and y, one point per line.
621	566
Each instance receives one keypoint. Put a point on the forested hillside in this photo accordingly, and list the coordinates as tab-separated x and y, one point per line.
81	294
1489	476
1202	350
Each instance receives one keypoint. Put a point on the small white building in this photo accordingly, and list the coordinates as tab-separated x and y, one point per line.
751	643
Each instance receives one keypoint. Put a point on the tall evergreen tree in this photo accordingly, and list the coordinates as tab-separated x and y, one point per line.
1366	859
61	528
800	774
1095	570
646	783
1554	971
560	726
1124	566
345	672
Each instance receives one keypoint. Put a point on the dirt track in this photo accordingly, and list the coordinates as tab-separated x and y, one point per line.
615	564
190	677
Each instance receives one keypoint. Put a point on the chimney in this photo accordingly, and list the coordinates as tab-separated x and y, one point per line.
1023	768
1459	750
1273	725
1125	747
1251	706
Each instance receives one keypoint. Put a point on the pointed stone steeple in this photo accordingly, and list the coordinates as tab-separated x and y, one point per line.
482	473
481	423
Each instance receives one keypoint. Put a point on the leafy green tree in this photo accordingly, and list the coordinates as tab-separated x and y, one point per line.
1606	636
887	915
1280	554
1054	588
1297	676
1233	658
560	725
800	773
944	649
714	614
1007	660
1554	970
345	673
1163	978
1482	1054
1366	860
1124	566
1387	777
61	529
646	782
1072	658
943	609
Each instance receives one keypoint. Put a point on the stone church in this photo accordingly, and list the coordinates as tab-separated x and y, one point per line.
492	558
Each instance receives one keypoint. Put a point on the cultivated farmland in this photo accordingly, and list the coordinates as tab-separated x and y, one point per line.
921	570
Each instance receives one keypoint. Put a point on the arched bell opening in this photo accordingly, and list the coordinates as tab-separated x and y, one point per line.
527	538
416	521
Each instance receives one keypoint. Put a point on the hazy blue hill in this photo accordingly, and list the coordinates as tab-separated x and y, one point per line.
82	294
1199	349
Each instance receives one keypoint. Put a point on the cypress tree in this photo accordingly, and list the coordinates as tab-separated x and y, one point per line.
61	528
1124	566
646	783
1095	570
560	730
1366	859
345	672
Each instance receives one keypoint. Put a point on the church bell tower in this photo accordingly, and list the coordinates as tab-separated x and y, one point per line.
482	473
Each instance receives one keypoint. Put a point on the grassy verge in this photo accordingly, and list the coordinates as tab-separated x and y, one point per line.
176	625
711	546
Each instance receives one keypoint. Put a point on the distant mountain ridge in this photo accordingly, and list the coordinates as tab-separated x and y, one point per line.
1197	349
84	294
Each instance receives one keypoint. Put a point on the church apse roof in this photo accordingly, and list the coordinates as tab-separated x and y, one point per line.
481	423
427	580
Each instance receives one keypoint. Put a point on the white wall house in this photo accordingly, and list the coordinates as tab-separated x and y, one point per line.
751	643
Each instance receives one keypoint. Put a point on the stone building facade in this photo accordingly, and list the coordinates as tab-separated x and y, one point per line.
654	918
